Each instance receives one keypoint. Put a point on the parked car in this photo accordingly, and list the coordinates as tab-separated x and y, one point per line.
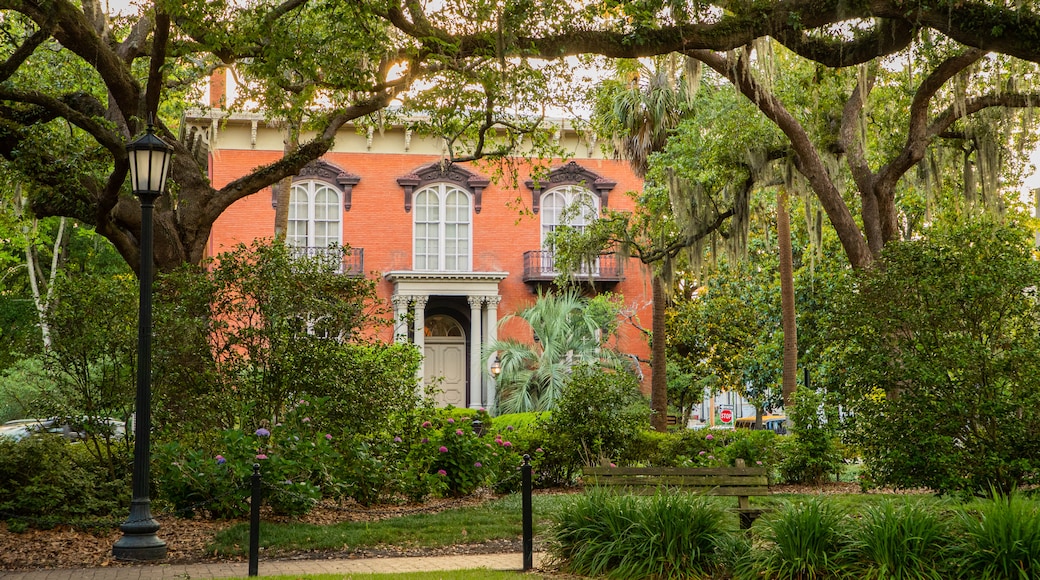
19	429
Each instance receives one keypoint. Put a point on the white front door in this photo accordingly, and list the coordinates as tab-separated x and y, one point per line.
444	360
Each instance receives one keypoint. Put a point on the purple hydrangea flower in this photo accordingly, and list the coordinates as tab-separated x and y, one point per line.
477	464
397	439
220	460
425	439
261	432
509	427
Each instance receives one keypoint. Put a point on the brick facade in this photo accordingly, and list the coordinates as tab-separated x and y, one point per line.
378	223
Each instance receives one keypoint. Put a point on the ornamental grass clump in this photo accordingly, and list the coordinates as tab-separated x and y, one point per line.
627	537
803	541
896	541
1000	539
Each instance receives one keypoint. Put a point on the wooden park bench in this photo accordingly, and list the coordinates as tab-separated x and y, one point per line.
740	481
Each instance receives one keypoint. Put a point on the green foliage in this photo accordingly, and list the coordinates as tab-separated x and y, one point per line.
596	417
939	345
810	452
45	481
902	541
517	421
622	536
20	385
280	319
724	337
212	474
19	330
1000	539
803	542
568	334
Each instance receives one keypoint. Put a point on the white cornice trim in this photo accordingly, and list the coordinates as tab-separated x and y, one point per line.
417	276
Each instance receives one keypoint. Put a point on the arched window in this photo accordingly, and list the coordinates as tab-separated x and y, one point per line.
314	215
570	205
442	237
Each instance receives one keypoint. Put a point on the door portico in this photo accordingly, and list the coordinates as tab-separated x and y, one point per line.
477	291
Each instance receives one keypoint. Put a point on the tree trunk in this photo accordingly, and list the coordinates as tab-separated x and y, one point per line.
783	229
658	380
283	189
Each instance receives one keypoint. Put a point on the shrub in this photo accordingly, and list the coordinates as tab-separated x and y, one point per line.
810	452
937	346
622	536
213	476
598	413
1001	539
897	542
45	481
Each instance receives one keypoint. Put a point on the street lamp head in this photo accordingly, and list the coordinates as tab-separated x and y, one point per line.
149	163
496	368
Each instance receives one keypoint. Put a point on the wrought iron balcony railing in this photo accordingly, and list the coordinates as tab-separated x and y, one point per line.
540	266
353	260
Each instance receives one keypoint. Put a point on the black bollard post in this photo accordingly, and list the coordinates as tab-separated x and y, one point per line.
525	479
254	522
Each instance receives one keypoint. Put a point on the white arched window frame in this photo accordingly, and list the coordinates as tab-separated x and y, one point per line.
442	234
568	205
315	216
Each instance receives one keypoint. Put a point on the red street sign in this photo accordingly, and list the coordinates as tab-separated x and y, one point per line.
726	415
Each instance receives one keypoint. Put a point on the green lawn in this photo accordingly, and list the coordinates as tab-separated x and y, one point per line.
495	520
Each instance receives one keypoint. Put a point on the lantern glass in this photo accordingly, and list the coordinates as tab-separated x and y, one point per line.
149	163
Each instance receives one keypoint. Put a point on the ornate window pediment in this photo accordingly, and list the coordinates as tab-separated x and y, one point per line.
443	173
570	174
324	171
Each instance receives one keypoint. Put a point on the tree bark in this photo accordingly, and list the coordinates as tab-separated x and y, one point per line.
658	380
788	321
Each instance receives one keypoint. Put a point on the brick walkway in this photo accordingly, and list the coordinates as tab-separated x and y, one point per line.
280	567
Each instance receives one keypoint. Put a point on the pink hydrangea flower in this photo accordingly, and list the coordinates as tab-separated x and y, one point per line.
450	420
458	431
427	424
710	437
443	449
261	456
441	472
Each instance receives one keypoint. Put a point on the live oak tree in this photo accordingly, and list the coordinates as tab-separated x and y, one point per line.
486	67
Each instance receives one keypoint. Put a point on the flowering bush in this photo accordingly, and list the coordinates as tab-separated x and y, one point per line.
214	476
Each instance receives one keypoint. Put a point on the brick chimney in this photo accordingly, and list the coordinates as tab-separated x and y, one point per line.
218	88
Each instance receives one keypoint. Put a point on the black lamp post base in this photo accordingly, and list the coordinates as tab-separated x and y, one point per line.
139	542
139	548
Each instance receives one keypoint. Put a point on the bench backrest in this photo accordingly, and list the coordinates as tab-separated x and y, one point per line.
738	481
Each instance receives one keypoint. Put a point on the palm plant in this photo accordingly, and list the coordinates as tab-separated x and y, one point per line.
565	334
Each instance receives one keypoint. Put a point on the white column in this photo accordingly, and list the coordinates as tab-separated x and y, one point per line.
401	317
492	336
476	374
420	332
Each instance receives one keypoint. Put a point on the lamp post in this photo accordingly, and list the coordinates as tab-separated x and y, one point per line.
149	165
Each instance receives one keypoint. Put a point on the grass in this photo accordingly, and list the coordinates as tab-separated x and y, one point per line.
496	520
479	574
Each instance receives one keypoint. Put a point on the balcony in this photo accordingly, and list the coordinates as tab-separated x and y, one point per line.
353	260
540	266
